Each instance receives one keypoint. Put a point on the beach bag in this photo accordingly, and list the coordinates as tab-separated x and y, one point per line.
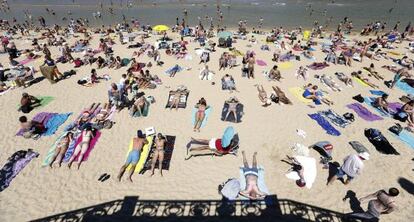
82	82
396	129
349	117
359	98
401	116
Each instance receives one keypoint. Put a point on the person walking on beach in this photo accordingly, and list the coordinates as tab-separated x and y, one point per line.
352	167
379	203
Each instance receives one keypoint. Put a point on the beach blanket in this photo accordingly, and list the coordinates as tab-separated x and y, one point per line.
143	155
334	118
298	93
14	165
260	181
183	100
285	65
406	137
168	151
363	112
405	87
231	117
206	112
309	170
324	124
75	143
260	62
377	92
27	60
358	147
54	122
362	83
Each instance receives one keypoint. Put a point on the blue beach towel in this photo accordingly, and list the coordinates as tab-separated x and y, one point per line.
207	114
369	101
324	124
54	122
406	137
405	87
334	118
377	92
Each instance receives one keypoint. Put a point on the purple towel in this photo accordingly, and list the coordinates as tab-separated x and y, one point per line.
363	112
395	107
16	163
324	124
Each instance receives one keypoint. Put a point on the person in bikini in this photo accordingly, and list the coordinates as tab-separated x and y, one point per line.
251	174
103	114
139	105
82	147
158	153
380	202
200	114
61	149
263	96
133	157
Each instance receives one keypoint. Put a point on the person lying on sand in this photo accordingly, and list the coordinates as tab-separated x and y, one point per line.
158	153
302	72
83	146
251	174
371	70
133	157
263	96
358	75
213	145
345	79
232	103
312	92
201	107
379	203
296	166
281	95
403	72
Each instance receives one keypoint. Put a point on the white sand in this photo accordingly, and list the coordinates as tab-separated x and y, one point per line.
39	192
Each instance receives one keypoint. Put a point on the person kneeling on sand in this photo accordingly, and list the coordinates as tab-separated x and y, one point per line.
251	174
133	157
352	167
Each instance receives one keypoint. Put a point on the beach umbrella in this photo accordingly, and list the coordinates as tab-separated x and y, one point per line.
231	189
160	28
227	136
224	34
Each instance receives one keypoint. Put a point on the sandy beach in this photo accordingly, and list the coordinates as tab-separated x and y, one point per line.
38	192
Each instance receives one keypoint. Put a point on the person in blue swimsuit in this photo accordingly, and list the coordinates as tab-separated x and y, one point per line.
133	157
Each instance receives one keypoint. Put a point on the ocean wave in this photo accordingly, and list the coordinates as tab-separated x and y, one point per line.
279	4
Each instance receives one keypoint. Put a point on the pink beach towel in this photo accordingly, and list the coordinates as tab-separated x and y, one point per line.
91	145
261	62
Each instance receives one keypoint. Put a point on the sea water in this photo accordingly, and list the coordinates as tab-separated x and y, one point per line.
275	13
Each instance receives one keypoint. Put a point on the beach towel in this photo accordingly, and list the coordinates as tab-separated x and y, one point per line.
27	60
231	117
143	155
72	146
362	83
54	122
335	118
144	113
206	112
377	92
44	101
363	112
405	87
42	117
52	149
378	140
260	181
309	170
392	107
324	124
168	151
358	147
175	68
406	137
260	62
298	93
285	65
14	165
183	100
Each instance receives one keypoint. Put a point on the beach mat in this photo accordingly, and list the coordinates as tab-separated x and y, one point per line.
207	114
405	87
406	137
329	129
143	155
14	165
358	147
53	124
181	104
260	181
298	93
285	65
168	151
44	101
363	112
72	146
310	172
231	118
260	62
362	83
334	118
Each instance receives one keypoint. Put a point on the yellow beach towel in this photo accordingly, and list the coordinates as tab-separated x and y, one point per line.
306	35
298	92
144	154
362	83
285	65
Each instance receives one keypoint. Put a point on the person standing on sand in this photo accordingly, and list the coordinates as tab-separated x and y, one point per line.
133	157
352	167
380	202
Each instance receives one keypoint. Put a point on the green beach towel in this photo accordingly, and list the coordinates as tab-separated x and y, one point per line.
44	101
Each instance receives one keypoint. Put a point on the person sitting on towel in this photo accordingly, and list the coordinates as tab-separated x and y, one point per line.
381	103
251	174
274	74
31	128
133	157
406	112
28	103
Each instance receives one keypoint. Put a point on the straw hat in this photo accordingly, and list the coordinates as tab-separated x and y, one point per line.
364	155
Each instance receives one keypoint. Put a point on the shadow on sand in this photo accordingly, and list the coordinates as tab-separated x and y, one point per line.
132	209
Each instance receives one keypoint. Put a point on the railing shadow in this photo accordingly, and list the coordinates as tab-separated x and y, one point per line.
133	209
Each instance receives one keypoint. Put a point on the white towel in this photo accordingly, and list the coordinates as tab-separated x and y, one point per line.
309	170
